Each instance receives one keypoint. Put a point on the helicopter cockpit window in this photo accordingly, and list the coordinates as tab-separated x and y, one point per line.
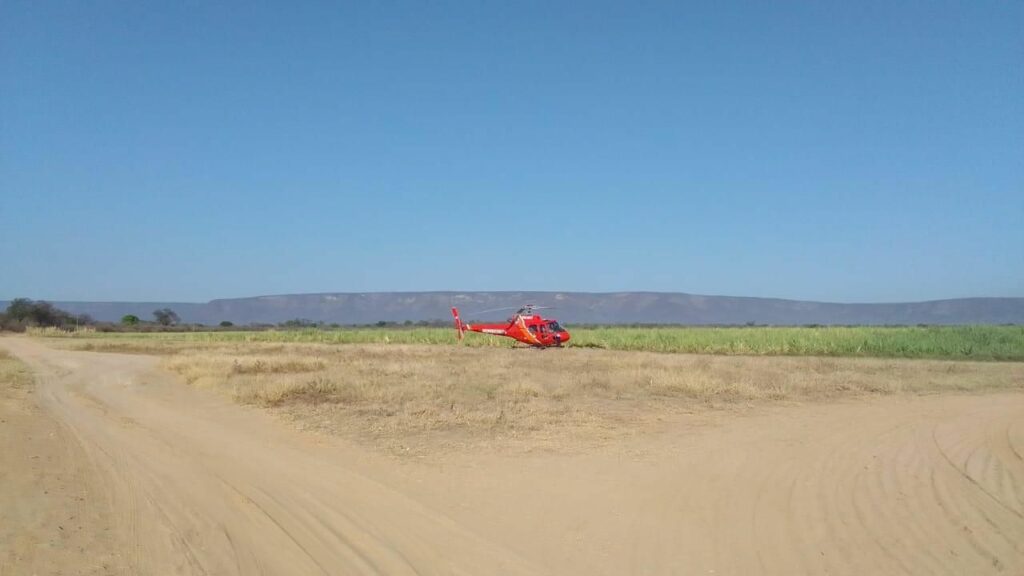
554	327
532	328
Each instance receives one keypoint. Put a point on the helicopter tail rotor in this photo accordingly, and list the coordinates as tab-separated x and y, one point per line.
460	328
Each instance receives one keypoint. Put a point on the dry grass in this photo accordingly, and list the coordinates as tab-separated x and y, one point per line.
1000	343
396	394
16	384
55	332
153	346
13	374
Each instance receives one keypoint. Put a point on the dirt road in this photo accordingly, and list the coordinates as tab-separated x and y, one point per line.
197	485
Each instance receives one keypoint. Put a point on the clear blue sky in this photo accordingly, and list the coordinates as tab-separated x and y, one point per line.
844	151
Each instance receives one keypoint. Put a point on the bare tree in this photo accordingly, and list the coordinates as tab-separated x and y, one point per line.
166	317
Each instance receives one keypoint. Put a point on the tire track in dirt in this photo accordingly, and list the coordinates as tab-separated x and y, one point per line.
897	485
175	478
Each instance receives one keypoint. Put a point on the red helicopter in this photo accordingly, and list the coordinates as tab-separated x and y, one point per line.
524	326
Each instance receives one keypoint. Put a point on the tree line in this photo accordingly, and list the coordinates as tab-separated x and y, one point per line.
22	313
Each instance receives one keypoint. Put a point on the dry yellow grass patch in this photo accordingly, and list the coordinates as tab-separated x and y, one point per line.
395	392
15	379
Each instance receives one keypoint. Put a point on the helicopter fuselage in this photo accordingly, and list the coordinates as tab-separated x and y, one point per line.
530	328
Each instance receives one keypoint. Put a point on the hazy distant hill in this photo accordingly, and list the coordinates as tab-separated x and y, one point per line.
571	307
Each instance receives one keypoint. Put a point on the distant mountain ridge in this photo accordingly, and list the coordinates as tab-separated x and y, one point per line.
571	308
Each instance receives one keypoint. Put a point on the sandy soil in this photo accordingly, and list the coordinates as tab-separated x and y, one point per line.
189	483
54	518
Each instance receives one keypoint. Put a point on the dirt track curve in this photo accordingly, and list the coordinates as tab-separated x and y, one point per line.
197	485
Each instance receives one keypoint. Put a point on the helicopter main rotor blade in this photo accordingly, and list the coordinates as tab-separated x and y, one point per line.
518	309
491	310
